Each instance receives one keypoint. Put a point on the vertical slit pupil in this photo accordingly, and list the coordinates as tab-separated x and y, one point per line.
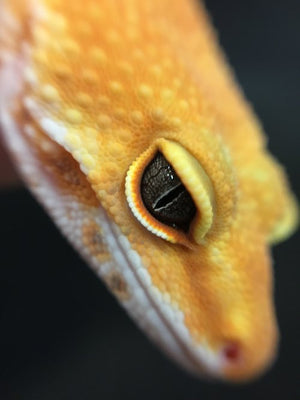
170	196
164	195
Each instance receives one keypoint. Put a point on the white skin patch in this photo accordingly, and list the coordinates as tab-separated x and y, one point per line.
56	131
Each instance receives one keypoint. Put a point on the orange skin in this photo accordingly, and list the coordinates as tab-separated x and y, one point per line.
119	78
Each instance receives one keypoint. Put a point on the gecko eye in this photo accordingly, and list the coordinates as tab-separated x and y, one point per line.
170	194
164	195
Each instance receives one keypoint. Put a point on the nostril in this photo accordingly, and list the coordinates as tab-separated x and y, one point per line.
232	352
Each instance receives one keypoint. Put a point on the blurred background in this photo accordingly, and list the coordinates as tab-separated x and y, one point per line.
62	335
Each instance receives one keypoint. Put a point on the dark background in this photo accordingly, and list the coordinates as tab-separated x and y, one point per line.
62	336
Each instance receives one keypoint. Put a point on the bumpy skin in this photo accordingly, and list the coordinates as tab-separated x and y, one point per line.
86	87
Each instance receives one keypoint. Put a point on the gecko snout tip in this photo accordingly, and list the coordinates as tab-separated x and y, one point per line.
243	362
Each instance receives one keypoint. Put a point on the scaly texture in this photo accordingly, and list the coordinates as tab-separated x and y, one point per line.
89	86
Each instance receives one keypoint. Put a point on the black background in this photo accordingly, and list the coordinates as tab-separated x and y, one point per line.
62	336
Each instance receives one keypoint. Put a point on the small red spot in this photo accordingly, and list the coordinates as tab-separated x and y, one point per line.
232	352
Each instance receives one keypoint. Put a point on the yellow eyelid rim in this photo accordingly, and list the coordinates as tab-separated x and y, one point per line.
198	184
193	177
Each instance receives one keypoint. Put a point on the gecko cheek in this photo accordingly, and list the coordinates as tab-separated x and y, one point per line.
170	194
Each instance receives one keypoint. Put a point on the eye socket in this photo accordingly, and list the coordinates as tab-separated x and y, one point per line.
165	196
170	194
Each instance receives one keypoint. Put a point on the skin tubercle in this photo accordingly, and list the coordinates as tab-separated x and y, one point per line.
104	84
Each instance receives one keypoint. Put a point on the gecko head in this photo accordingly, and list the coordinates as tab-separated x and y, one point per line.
187	227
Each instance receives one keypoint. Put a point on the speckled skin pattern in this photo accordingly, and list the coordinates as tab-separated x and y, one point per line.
87	87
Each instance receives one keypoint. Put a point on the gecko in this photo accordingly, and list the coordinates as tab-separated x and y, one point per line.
127	124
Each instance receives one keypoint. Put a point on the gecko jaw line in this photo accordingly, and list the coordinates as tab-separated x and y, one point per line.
190	358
